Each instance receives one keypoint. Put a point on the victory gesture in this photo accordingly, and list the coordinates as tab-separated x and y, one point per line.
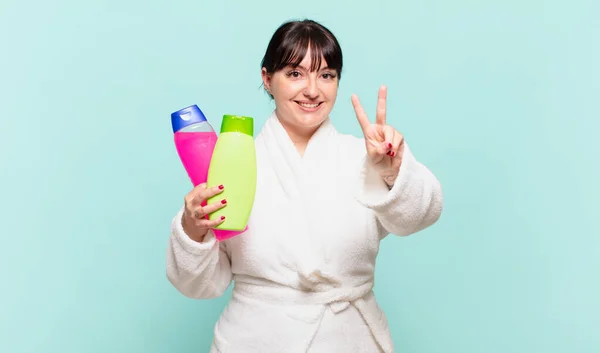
385	145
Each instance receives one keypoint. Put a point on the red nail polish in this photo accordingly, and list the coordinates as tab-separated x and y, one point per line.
389	153
389	145
393	154
223	201
221	187
222	217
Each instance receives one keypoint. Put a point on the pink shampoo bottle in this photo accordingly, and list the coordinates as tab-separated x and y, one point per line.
195	141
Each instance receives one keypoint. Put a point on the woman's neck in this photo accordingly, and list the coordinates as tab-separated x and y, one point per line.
299	136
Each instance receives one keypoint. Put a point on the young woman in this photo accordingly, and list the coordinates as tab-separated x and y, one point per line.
304	270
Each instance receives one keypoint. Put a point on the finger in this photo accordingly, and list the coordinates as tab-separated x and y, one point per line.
381	106
210	208
198	196
400	153
389	135
397	146
210	223
363	120
192	199
211	192
199	213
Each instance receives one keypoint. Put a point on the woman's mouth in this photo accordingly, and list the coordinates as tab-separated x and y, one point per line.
309	107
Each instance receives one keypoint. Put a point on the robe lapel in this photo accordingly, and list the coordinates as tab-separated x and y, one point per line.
283	157
299	175
310	184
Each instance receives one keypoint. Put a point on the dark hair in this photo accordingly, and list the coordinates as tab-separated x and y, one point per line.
291	40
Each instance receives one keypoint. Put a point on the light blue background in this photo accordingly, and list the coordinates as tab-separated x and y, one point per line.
501	99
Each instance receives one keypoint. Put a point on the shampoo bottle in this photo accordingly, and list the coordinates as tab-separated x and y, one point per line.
233	165
195	141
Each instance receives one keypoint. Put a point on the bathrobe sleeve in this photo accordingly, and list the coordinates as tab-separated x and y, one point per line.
412	204
197	270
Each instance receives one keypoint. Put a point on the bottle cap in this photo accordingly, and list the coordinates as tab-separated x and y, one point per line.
186	116
238	123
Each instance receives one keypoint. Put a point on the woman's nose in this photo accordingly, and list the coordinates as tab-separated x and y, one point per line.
311	90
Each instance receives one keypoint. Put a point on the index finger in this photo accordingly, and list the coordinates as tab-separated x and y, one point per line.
201	193
381	105
363	120
210	192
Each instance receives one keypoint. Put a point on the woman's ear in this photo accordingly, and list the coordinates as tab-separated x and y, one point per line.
266	78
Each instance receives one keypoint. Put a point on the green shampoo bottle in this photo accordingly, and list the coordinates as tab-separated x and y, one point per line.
233	165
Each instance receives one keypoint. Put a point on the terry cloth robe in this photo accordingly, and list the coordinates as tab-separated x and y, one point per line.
303	273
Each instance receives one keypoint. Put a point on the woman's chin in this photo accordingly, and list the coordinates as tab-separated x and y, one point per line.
311	119
304	120
311	122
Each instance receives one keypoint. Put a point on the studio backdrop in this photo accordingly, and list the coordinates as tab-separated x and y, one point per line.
500	99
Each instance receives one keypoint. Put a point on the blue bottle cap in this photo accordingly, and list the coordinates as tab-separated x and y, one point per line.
186	116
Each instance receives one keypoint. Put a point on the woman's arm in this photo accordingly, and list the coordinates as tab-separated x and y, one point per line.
199	270
413	203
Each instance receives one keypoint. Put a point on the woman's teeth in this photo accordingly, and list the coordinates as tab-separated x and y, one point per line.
309	105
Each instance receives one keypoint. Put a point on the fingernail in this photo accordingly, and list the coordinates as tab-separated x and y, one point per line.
389	145
223	201
393	154
221	187
222	217
389	153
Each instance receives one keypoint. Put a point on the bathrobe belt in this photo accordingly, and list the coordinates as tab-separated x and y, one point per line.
336	298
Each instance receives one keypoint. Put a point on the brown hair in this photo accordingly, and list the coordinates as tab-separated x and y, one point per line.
290	42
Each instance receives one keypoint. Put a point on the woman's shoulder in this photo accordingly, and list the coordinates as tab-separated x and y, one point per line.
353	145
350	140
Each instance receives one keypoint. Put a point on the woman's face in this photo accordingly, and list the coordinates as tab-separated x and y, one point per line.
303	99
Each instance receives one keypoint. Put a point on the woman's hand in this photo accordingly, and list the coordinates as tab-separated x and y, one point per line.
195	220
385	145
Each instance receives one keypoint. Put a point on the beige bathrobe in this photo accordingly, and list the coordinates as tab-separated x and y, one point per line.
303	272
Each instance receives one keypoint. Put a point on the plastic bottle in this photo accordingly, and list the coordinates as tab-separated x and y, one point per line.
195	141
233	164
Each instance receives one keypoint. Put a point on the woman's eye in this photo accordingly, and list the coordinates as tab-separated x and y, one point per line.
294	74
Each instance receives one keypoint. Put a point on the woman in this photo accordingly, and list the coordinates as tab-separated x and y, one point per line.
304	270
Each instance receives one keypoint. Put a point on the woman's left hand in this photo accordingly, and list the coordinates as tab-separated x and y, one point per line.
385	145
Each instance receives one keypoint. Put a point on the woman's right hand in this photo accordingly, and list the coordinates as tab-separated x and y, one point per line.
195	220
